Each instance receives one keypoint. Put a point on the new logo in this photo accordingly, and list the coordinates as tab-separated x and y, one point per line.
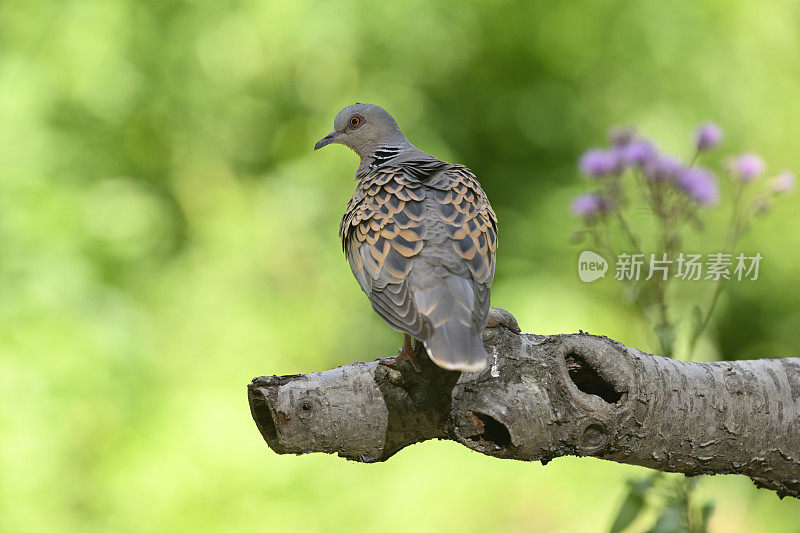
591	266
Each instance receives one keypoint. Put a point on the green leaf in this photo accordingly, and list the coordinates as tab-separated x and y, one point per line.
641	486
705	515
697	314
666	336
632	506
671	520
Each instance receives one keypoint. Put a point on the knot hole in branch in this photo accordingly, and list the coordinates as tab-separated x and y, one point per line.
262	416
593	437
491	436
588	380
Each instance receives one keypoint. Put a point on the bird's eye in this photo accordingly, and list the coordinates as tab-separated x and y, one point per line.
355	121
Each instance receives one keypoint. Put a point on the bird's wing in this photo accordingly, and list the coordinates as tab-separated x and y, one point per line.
382	231
471	226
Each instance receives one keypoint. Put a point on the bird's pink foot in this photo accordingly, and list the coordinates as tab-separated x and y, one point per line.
407	352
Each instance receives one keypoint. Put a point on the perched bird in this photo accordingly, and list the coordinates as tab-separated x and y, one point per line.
420	237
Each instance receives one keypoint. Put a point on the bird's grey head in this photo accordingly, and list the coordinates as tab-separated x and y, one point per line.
364	128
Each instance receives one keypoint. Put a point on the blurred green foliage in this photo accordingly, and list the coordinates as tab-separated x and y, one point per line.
166	234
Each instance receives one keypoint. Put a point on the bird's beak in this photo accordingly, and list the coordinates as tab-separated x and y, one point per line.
328	139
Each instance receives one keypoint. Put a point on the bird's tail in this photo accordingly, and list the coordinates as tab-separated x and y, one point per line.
453	340
457	347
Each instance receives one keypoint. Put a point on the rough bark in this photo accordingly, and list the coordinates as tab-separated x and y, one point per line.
545	396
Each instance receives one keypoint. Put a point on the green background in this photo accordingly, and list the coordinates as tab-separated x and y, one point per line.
167	233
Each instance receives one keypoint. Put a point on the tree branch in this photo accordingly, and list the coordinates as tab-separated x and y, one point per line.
545	396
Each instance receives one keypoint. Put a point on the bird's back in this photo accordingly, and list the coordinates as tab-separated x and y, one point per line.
421	237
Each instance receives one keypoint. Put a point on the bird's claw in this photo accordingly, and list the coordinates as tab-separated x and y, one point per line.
402	355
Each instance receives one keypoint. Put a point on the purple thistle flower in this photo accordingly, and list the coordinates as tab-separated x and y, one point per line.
708	136
637	153
621	135
664	168
699	185
597	163
588	205
783	182
748	167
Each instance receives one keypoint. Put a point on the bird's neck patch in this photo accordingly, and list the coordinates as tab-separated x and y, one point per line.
384	154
